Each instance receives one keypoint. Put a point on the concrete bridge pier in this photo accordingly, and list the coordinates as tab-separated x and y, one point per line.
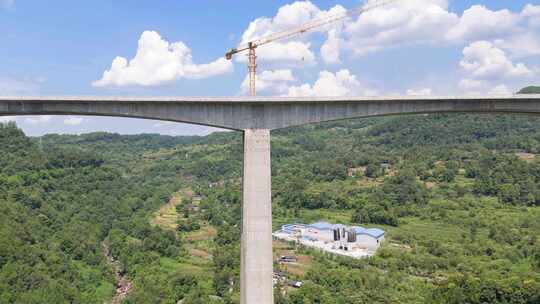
256	267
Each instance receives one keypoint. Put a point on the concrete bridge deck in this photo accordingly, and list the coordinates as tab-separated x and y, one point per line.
256	117
241	113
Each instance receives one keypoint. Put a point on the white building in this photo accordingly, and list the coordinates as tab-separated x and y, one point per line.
340	236
368	238
321	231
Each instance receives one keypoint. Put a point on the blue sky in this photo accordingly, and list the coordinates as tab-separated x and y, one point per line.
415	47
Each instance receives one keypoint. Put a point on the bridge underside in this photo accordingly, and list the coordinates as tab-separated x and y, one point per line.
256	117
263	113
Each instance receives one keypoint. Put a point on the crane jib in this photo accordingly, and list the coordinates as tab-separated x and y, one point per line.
309	26
252	65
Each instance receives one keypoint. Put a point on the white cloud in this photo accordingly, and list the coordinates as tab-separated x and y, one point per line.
483	87
471	85
330	50
486	66
35	120
276	82
419	92
405	22
487	87
158	61
532	13
483	60
341	83
500	90
525	38
279	82
289	52
478	22
410	22
73	121
522	44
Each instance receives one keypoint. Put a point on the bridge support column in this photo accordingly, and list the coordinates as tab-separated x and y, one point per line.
256	268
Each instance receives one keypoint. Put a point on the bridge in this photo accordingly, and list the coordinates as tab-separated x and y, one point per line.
256	117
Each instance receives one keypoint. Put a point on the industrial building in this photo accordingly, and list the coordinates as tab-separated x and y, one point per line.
352	241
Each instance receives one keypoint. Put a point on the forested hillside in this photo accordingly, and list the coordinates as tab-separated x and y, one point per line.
530	90
457	194
56	206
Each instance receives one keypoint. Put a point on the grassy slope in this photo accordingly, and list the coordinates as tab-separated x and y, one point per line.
167	216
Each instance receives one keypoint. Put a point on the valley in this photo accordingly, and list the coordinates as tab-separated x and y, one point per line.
457	198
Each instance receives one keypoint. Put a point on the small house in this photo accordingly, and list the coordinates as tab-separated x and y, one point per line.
369	238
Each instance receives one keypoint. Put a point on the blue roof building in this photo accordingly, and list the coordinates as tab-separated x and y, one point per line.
326	226
291	228
355	239
322	226
373	232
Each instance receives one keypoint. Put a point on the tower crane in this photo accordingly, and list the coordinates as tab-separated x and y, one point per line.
252	45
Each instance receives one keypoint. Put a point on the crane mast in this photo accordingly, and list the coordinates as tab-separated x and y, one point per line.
252	69
252	45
